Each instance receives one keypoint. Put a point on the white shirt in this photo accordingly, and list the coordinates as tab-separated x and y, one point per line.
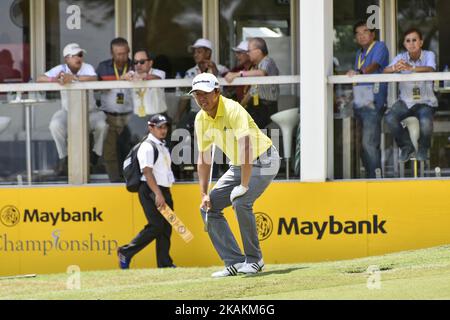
193	72
153	99
425	88
162	168
85	70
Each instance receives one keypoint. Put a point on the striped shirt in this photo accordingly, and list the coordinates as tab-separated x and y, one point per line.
109	98
271	91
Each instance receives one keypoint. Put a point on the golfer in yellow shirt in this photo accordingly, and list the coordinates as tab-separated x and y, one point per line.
254	163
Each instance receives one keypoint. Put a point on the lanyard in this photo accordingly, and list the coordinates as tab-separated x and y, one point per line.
116	72
361	63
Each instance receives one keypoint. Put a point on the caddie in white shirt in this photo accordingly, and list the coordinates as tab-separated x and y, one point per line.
154	194
73	70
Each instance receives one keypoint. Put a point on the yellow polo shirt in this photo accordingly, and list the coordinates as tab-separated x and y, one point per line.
231	123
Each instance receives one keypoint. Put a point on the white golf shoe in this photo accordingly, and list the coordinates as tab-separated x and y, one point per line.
228	271
251	268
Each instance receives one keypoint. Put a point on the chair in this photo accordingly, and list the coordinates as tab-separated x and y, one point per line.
4	123
412	123
287	120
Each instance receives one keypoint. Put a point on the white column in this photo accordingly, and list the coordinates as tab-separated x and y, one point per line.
78	137
123	17
316	106
37	35
210	11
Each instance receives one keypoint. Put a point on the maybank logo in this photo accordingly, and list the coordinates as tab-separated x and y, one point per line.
264	225
10	216
331	227
295	226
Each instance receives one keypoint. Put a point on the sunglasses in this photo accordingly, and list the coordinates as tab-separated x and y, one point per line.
411	40
79	55
141	62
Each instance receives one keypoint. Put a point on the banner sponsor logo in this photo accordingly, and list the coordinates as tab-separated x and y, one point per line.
296	227
10	216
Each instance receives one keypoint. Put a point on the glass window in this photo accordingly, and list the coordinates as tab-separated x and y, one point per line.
14	67
240	20
431	17
15	41
93	31
168	28
349	157
346	14
91	24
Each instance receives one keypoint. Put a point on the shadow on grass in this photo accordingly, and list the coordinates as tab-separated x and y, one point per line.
275	272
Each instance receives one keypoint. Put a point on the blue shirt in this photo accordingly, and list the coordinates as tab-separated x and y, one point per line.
426	93
378	54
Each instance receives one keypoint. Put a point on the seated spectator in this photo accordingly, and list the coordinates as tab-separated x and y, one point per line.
74	70
147	101
417	98
243	64
261	101
202	53
7	71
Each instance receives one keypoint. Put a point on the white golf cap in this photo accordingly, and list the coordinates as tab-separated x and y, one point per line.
242	47
206	82
202	43
72	49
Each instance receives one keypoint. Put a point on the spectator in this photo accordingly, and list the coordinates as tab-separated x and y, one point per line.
118	106
154	194
7	71
417	99
369	99
74	70
243	64
202	53
147	101
265	97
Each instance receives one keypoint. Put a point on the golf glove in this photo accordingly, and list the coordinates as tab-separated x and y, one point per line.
238	192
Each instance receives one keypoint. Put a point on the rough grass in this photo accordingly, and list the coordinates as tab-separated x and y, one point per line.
422	274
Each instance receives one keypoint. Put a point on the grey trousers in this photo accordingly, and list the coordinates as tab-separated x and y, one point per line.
265	168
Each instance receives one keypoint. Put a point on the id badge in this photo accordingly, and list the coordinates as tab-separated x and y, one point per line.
416	93
256	100
120	98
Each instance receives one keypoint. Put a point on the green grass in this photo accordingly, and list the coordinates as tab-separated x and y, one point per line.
422	274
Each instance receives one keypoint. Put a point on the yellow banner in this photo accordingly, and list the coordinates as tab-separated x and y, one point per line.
46	230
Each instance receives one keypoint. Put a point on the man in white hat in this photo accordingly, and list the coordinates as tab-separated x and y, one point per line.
73	70
254	163
202	52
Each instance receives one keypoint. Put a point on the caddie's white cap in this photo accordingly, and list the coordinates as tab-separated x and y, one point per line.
242	47
72	49
202	43
206	82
